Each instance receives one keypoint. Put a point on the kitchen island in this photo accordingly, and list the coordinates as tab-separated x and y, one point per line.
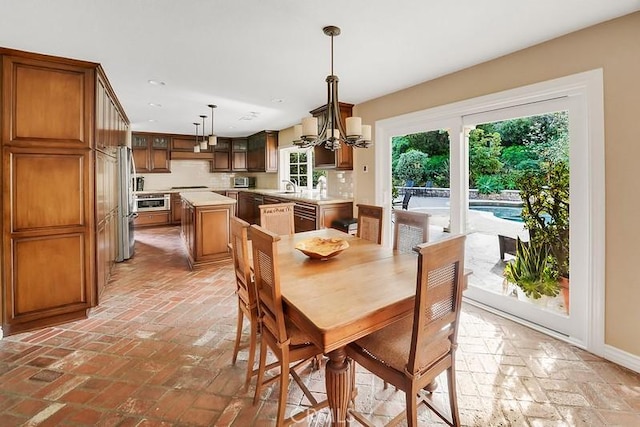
205	227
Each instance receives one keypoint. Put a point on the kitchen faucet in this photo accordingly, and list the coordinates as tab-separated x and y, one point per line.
293	184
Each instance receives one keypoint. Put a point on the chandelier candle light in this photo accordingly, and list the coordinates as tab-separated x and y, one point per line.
213	140
333	132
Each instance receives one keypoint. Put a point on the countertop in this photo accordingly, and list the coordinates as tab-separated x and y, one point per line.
206	198
309	196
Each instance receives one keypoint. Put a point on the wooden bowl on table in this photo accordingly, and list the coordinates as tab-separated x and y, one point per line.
321	248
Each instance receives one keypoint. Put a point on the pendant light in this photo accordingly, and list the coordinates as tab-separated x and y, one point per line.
333	133
196	147
203	143
213	139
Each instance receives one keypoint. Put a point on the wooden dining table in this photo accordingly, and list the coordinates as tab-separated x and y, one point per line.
341	299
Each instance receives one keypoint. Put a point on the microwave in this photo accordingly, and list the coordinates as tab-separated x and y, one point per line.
243	182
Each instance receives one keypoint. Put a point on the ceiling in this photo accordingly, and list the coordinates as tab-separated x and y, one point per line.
264	63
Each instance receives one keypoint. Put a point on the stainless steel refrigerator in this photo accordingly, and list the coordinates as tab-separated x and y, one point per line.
126	203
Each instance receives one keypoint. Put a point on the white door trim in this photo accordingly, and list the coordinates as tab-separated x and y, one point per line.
588	84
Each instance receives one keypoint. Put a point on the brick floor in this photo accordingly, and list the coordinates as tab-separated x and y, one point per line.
157	352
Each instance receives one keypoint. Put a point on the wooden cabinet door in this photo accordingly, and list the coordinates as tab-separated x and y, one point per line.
329	213
176	208
140	149
159	153
239	154
183	144
222	156
47	104
271	152
263	152
245	207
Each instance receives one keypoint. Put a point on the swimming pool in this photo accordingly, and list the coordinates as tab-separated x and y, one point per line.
511	213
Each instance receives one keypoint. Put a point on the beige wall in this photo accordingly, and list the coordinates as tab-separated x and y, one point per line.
613	46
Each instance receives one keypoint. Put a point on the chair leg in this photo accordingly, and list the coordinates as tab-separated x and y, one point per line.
284	386
453	396
236	347
253	339
263	361
412	408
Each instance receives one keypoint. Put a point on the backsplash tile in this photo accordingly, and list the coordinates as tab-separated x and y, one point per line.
196	172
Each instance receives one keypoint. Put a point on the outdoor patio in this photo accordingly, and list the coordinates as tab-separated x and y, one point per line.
482	247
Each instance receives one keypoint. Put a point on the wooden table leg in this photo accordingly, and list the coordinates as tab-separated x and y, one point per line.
338	383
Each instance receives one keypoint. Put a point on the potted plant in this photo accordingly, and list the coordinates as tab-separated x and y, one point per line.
532	270
545	213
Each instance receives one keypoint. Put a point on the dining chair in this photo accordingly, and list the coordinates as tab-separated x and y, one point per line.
370	222
278	218
289	344
410	353
246	292
410	229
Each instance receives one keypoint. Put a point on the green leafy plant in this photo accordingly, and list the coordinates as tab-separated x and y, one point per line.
489	184
546	211
532	270
412	166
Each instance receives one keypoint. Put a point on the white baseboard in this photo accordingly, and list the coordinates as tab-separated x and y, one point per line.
622	358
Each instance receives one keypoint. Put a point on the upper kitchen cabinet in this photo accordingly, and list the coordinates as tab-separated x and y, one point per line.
263	152
341	159
182	149
222	156
239	150
151	152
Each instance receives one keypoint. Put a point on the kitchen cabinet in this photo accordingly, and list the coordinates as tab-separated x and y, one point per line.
307	216
205	227
151	152
263	152
58	187
304	217
152	218
341	159
248	203
182	149
231	194
176	208
230	155
111	126
222	156
239	154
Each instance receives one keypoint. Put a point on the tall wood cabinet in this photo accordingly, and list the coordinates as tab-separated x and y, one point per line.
51	196
110	131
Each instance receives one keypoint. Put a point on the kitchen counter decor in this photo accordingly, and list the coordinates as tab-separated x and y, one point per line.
319	248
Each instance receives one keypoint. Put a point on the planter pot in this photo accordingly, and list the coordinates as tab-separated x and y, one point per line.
542	302
564	285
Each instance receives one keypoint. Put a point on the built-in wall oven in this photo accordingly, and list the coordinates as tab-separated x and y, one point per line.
153	202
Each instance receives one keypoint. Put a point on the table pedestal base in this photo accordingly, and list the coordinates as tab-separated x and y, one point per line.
338	383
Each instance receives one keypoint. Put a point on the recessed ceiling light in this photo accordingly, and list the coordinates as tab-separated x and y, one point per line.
152	120
156	82
151	104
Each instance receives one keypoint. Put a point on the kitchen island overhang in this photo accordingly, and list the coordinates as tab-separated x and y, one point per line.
205	227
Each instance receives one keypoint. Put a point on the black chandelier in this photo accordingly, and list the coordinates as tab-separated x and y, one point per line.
333	133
